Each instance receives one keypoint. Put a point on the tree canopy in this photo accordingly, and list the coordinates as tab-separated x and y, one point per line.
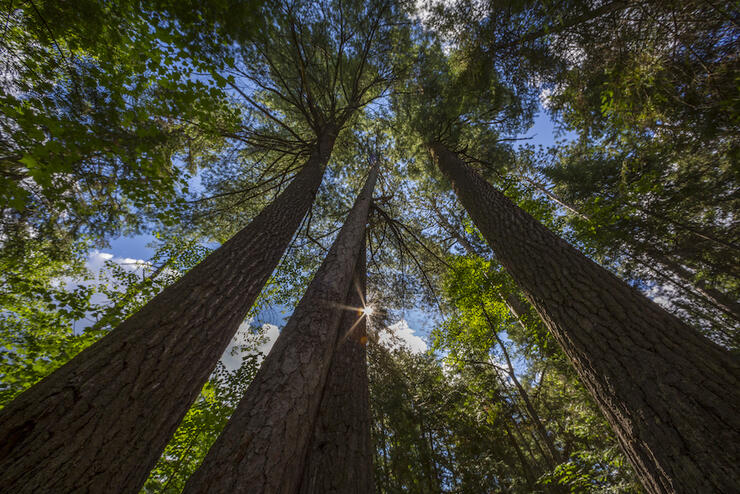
184	120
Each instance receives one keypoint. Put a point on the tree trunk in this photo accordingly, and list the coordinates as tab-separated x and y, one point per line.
526	468
726	303
671	395
554	454
263	447
340	458
100	422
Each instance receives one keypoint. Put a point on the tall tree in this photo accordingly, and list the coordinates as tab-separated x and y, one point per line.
647	89
92	405
264	445
670	394
82	426
340	458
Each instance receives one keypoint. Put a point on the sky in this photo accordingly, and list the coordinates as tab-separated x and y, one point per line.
412	330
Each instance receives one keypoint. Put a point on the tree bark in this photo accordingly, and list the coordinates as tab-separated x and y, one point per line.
263	447
100	422
671	395
340	458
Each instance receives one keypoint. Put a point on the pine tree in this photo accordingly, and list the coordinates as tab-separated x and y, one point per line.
670	394
264	445
340	458
101	421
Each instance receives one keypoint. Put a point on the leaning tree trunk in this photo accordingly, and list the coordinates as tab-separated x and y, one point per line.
340	458
263	447
516	308
99	423
672	396
554	454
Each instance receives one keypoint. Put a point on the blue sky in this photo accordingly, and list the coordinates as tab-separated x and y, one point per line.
419	323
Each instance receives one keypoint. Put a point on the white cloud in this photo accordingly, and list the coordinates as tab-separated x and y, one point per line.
271	333
96	260
98	275
401	334
232	357
95	264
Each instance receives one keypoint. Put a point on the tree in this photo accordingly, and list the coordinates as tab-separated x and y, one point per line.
261	100
53	312
264	445
206	419
340	456
178	330
479	334
647	90
137	369
624	347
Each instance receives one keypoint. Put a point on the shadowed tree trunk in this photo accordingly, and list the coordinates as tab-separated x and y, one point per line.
340	458
263	447
526	468
671	395
100	422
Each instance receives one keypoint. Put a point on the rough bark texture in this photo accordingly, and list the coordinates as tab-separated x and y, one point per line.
264	445
672	396
99	423
340	458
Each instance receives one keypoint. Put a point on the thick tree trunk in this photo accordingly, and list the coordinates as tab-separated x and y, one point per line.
340	458
263	447
99	423
672	396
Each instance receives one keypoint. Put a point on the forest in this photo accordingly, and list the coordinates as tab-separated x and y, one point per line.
379	246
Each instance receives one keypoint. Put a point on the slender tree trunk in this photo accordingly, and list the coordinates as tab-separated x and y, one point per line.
554	454
517	308
671	395
386	473
546	464
99	423
540	187
426	449
340	458
447	226
263	447
720	300
451	462
526	468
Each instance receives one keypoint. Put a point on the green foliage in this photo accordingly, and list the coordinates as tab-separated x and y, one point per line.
37	320
429	436
652	95
650	91
457	99
206	419
52	310
97	117
494	339
106	127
